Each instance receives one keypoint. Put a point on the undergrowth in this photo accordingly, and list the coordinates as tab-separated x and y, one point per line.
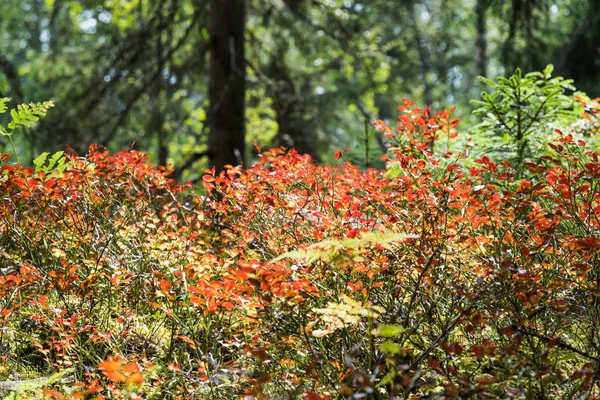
450	274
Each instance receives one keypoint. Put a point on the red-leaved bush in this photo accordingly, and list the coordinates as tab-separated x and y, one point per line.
440	277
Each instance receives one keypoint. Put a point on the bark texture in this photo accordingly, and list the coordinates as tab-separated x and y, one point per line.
227	83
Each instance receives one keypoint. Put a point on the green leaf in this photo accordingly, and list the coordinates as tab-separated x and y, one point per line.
15	116
56	156
390	347
387	379
326	249
390	330
40	160
487	81
55	163
3	102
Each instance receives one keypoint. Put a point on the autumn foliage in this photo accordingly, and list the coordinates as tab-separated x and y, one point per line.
443	276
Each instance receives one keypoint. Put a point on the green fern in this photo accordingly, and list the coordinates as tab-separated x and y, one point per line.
326	250
22	116
55	163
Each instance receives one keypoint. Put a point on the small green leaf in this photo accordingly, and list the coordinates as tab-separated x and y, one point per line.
387	379
3	102
487	81
390	347
56	162
15	116
390	330
56	156
39	161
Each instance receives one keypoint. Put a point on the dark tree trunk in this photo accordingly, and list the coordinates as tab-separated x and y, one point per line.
52	22
580	58
155	126
481	43
35	28
9	70
227	83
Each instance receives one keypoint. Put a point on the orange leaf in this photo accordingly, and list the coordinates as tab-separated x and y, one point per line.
115	376
589	242
187	340
228	305
110	365
135	379
53	394
131	367
93	389
165	285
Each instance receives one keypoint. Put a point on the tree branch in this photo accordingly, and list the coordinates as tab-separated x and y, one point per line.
561	343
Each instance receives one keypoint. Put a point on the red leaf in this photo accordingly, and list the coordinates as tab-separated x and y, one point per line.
553	342
43	300
352	233
314	396
478	351
49	184
21	183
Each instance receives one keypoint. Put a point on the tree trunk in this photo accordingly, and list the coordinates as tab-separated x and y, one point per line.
579	59
480	10
227	83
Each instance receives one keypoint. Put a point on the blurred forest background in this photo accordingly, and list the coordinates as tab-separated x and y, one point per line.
196	82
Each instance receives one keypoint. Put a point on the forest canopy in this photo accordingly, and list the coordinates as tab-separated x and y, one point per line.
306	74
